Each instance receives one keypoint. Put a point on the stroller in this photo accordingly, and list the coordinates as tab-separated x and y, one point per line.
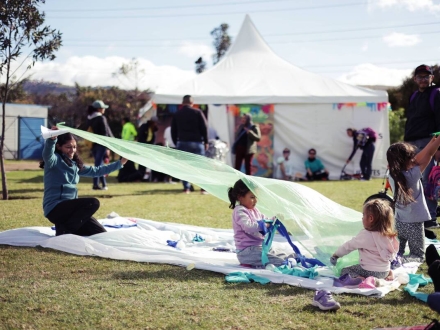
346	176
217	150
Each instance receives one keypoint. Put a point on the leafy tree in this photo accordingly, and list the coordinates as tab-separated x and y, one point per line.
131	74
200	65
397	125
222	41
21	29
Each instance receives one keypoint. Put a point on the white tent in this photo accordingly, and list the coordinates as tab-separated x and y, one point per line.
310	111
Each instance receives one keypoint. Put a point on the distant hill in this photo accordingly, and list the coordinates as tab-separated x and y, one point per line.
45	87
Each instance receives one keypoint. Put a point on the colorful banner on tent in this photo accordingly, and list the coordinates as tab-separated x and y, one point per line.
262	115
373	106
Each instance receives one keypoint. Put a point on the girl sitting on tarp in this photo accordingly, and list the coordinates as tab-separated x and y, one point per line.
62	169
246	223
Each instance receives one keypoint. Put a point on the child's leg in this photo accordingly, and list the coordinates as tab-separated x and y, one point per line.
434	272
402	236
277	257
416	242
358	271
250	256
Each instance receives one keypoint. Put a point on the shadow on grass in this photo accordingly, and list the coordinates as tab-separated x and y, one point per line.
35	179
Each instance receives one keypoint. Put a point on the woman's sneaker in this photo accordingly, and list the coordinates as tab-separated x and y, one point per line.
324	300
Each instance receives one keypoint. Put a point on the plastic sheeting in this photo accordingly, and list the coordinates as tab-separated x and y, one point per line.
147	242
309	216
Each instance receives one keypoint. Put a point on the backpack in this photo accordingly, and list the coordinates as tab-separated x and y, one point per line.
433	187
434	91
88	143
364	135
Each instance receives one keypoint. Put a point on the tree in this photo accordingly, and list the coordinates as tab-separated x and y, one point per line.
21	29
200	65
133	74
221	42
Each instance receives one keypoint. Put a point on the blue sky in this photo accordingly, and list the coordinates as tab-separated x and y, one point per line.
356	41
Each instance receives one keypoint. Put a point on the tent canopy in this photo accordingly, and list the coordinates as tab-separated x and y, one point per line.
252	73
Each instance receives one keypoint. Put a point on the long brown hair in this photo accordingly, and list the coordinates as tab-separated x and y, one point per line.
383	217
399	157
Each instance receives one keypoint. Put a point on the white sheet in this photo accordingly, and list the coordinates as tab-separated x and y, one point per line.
147	242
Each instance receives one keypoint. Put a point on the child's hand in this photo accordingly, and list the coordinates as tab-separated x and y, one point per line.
54	128
123	161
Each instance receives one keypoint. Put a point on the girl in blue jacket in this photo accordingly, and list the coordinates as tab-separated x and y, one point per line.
62	169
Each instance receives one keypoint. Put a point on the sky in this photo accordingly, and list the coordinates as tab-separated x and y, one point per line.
361	42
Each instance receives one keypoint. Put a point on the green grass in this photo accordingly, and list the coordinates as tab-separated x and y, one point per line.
46	289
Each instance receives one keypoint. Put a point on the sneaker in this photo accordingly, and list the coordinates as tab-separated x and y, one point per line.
397	262
347	281
204	192
186	191
431	224
96	188
104	188
324	300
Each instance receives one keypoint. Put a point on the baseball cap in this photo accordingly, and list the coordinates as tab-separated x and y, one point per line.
423	69
98	104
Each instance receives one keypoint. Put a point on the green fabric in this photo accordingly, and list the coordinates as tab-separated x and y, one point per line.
416	280
313	220
241	277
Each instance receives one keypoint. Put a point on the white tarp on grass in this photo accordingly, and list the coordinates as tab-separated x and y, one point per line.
146	241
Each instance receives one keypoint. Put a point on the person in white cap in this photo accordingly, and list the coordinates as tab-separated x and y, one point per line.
99	125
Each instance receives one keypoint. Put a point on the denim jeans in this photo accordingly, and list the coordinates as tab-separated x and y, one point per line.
432	204
98	152
193	147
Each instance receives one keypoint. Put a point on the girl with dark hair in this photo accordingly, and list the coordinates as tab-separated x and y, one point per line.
62	169
247	221
406	168
245	145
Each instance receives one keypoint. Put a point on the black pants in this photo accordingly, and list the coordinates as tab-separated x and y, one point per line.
75	217
367	160
319	175
240	155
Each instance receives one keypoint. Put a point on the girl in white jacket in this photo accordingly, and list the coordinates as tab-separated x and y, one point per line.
376	243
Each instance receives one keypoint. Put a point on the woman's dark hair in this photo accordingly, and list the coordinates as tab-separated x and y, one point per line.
91	109
62	140
399	157
239	190
249	122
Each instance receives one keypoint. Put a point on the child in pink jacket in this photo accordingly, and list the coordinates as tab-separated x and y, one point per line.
376	243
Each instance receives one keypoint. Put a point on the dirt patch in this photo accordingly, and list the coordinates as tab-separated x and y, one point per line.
22	166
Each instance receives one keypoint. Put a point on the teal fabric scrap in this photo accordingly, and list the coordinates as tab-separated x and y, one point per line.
416	280
198	238
299	271
241	277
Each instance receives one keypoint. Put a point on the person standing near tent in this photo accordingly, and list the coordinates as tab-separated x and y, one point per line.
99	125
367	146
128	173
422	119
147	134
245	145
189	132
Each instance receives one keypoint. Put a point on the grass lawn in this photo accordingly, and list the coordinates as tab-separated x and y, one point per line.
45	289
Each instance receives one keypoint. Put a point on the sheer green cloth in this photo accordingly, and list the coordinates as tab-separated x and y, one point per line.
316	223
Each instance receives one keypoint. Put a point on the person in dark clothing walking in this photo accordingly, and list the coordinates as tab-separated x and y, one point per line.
147	134
189	132
99	125
245	145
422	119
